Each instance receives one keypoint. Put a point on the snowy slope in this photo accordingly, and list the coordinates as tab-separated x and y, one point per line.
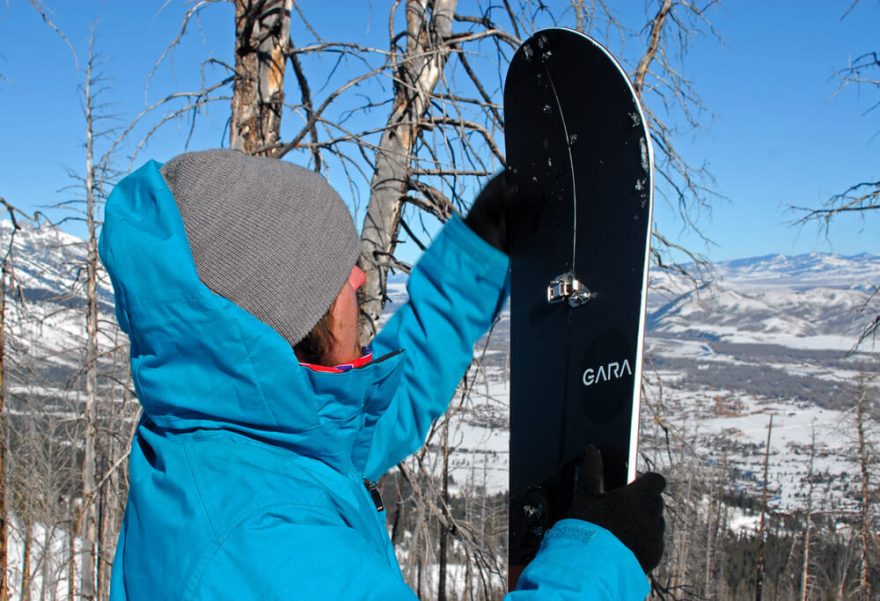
45	317
803	271
810	301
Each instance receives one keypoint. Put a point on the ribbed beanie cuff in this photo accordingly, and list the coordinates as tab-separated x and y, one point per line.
270	236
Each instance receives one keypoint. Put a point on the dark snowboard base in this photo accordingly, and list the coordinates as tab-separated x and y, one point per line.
576	140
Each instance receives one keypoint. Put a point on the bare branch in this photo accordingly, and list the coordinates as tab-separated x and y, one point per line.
280	151
40	8
168	52
487	100
306	95
474	126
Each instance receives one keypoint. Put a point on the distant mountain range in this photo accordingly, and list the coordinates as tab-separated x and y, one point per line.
809	270
814	298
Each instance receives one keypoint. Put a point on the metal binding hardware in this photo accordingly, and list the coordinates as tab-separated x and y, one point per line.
567	287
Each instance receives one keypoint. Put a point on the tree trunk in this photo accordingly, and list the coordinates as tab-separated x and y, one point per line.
72	512
104	502
683	527
4	584
759	569
262	36
713	509
444	529
805	571
49	579
653	46
418	71
864	580
26	556
88	522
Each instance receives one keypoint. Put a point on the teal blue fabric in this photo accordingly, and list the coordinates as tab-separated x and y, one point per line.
246	468
579	560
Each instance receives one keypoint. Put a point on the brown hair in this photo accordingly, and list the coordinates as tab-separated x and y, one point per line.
315	347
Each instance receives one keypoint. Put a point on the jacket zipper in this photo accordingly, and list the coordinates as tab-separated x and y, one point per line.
375	495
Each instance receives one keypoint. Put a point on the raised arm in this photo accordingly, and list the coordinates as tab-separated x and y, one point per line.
455	291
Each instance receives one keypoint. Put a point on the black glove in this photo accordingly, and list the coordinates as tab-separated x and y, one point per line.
488	214
633	513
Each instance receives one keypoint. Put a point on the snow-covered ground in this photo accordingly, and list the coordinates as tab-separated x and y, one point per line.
719	426
48	577
481	438
769	337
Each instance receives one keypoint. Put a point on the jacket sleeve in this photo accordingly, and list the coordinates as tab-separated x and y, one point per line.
579	560
455	291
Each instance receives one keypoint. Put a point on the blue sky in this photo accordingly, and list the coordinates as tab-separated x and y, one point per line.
781	131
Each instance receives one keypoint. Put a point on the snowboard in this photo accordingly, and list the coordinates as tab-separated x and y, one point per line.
578	146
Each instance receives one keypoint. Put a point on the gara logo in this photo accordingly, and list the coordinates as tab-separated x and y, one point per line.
612	371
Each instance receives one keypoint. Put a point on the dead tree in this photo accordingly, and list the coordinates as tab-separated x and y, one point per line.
92	188
808	519
13	486
760	567
861	199
663	88
713	524
262	35
442	129
418	69
88	521
865	521
4	277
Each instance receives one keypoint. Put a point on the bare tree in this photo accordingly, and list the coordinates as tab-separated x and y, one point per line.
44	12
713	524
5	275
20	484
808	519
94	510
418	68
262	35
87	523
760	566
860	199
865	517
441	129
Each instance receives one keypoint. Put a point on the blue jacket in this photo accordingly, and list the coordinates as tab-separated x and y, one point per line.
247	469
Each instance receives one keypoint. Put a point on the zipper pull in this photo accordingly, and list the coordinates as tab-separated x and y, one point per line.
374	493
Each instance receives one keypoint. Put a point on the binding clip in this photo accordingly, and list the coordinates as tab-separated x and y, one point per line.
567	287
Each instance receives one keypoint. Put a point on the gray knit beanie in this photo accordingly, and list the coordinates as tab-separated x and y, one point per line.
272	237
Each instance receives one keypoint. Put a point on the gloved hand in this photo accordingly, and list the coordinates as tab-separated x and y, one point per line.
633	513
488	214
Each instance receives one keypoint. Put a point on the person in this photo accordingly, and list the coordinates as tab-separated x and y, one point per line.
264	422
